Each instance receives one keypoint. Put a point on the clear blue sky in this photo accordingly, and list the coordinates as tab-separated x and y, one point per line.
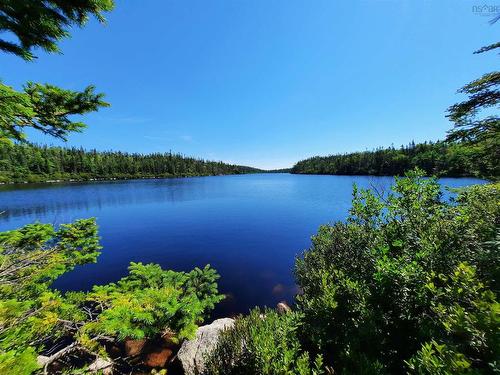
267	83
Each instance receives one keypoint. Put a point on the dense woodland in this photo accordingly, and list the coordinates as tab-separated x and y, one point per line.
435	158
21	162
33	163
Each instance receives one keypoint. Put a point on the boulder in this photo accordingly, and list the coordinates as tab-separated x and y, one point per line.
283	308
192	352
158	358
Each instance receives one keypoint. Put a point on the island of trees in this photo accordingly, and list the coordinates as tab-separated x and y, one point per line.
408	283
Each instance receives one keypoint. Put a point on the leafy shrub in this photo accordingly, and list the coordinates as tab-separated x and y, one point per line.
35	318
264	342
150	300
469	316
366	300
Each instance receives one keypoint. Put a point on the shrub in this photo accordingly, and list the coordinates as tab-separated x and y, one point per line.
469	318
366	299
150	300
264	342
34	318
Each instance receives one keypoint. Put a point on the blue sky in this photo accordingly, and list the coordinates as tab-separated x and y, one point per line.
267	83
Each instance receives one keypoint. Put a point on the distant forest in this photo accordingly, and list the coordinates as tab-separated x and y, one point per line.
25	162
33	163
435	158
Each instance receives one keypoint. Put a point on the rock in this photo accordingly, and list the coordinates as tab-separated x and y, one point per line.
42	360
158	358
283	308
192	352
101	364
134	347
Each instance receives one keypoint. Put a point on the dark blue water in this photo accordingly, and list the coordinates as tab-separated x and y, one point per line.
249	227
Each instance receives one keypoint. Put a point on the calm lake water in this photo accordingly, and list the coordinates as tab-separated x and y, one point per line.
248	227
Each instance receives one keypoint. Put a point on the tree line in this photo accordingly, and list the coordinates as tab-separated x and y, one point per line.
21	162
434	158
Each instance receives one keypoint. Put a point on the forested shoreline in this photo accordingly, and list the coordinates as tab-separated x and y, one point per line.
25	162
434	158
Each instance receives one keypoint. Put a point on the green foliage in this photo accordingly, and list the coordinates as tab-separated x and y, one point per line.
367	299
42	23
440	158
470	318
438	359
264	342
18	362
25	162
44	107
34	318
150	300
33	256
475	120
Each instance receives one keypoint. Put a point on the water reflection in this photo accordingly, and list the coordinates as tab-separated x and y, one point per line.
38	200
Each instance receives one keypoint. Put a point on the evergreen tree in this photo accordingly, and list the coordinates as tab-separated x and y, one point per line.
439	158
482	133
44	107
27	162
41	24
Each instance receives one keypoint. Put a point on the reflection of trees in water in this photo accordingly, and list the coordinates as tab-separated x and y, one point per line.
42	199
38	200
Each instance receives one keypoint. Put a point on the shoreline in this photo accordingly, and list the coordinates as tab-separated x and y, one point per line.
103	179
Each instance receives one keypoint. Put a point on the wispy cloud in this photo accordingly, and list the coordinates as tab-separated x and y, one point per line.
186	138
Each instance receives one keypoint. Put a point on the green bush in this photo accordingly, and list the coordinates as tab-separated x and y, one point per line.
469	315
367	299
35	318
150	300
264	342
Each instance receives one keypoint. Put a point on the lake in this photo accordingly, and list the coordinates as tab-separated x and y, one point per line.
248	227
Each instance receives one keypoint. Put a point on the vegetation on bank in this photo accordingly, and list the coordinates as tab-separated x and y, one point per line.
38	320
408	284
421	293
263	342
281	170
438	159
32	163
